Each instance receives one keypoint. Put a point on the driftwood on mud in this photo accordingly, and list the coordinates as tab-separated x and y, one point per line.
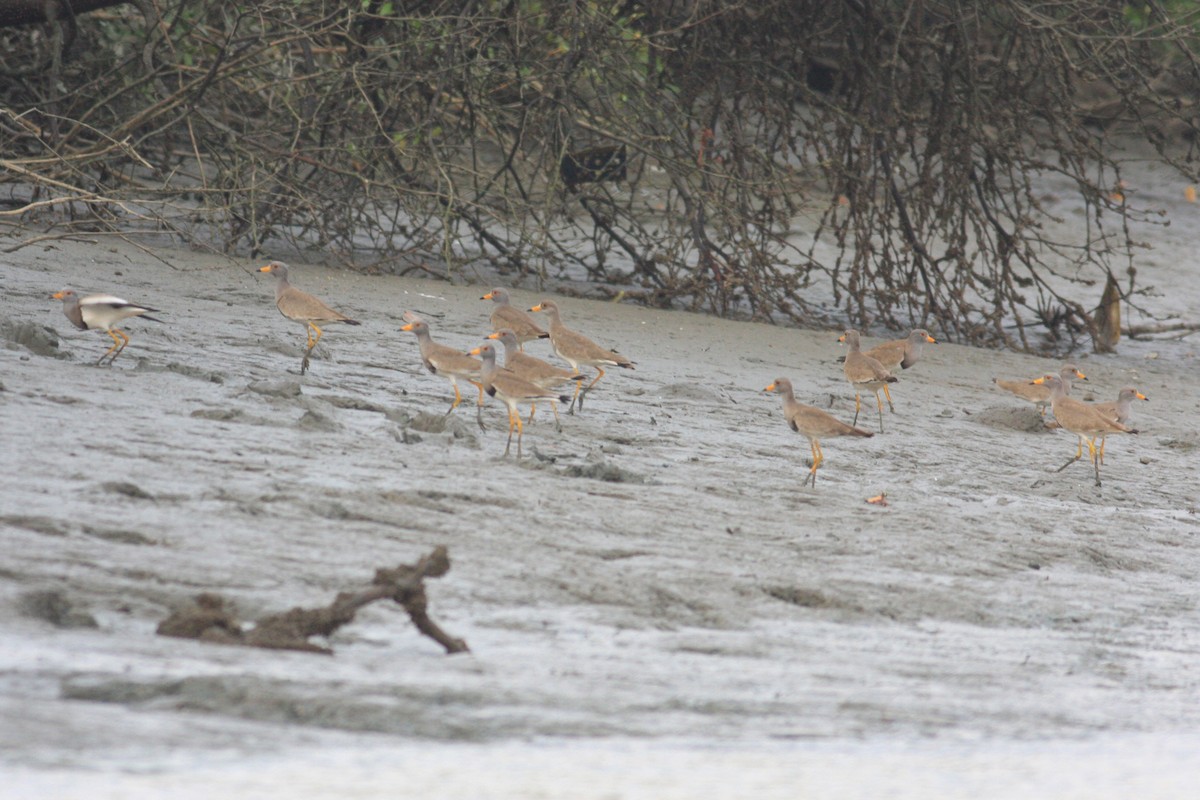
1181	328
211	617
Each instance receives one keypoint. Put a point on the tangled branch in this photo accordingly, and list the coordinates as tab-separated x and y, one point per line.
788	160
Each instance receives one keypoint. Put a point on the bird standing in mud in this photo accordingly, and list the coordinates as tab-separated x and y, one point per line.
1039	393
1120	410
302	307
508	316
900	354
864	374
535	370
510	389
575	348
813	423
1085	421
451	364
97	312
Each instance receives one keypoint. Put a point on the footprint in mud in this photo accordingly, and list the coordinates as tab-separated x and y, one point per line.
358	404
183	369
596	468
429	423
56	608
37	339
1013	419
690	391
217	414
45	526
603	470
119	535
283	388
314	420
130	490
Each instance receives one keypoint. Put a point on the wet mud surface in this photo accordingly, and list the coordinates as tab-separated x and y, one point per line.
655	572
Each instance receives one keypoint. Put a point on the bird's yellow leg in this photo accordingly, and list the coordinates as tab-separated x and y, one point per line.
1095	460
574	397
857	407
577	385
478	404
311	341
888	392
511	425
458	397
599	375
816	459
532	411
1078	455
520	431
113	334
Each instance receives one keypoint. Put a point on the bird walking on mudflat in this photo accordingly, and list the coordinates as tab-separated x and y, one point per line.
506	315
900	354
813	423
302	307
1081	419
510	389
451	364
1039	393
864	374
101	312
1120	410
575	348
538	372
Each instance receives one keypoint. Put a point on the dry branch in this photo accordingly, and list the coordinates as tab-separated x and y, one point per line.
914	137
211	617
1182	328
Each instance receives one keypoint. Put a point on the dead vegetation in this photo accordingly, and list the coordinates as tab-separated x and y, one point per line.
661	149
211	618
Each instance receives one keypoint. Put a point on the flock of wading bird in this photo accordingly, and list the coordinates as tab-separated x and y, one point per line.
526	379
872	370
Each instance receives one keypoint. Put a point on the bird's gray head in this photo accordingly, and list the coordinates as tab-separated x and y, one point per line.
416	325
506	337
276	268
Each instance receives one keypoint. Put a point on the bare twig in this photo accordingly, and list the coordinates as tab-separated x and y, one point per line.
431	135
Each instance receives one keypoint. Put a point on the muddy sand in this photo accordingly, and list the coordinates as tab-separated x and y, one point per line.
654	604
